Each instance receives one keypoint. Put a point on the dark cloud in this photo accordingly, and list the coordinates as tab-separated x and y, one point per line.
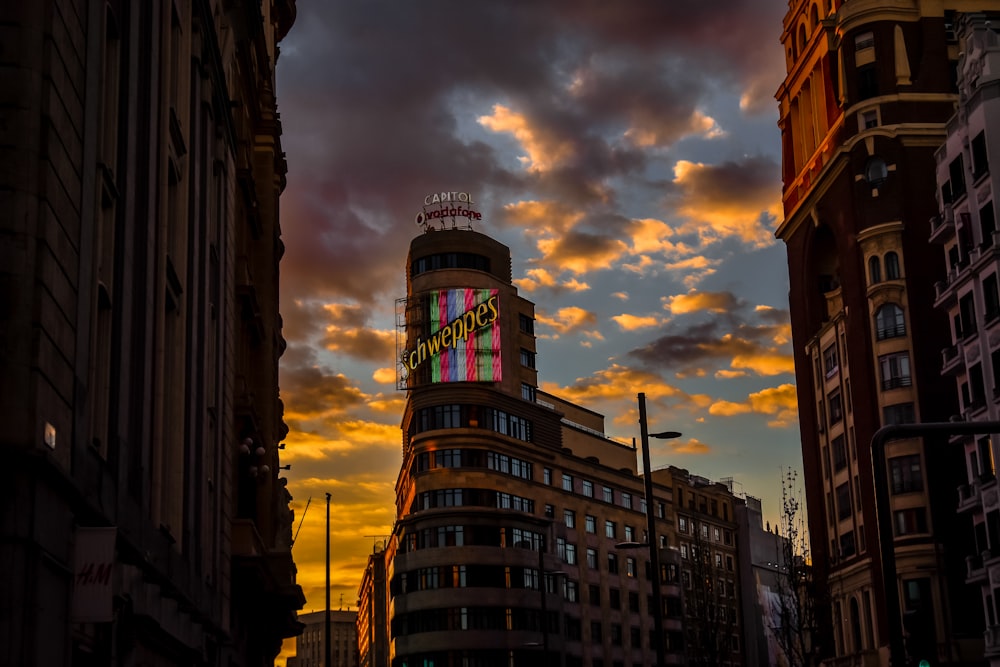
308	389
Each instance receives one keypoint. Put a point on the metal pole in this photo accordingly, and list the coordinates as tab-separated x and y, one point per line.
542	585
883	512
327	655
654	547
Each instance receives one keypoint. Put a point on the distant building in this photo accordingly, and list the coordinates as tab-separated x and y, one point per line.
144	521
966	228
517	517
309	646
869	89
373	612
761	563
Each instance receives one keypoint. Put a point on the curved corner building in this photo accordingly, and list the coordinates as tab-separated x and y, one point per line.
505	491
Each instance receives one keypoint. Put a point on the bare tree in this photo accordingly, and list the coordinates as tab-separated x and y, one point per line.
797	603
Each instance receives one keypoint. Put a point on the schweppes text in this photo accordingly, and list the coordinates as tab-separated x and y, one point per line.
449	335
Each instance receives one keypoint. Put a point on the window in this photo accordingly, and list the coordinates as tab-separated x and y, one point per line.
910	521
610	529
684	550
830	364
626	500
891	266
836	408
547	476
614	598
633	601
570	556
839	453
590	524
847	547
991	297
716	533
682	524
592	558
526	324
865	40
595	594
616	633
718	560
967	309
569	516
869	119
901	413
629	534
609	495
528	392
844	501
571	590
889	322
895	370
956	174
630	566
987	224
588	489
906	474
704	531
867	82
595	631
980	163
550	511
729	563
567	482
527	358
612	563
874	270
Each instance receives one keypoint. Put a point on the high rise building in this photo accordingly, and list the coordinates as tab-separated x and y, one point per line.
142	520
373	612
868	91
966	228
521	527
310	646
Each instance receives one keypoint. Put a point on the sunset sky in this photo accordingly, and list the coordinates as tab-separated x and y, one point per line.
628	154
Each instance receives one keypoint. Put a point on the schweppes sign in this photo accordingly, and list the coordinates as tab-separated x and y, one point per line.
463	339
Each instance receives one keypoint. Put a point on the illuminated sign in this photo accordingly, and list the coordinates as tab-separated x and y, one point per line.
462	342
449	205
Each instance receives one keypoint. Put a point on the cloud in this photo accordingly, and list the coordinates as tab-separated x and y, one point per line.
581	252
542	278
571	319
735	199
361	343
779	402
632	322
693	301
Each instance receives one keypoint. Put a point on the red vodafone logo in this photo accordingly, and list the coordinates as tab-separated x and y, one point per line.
441	205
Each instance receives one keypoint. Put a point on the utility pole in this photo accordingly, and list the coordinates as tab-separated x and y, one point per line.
327	655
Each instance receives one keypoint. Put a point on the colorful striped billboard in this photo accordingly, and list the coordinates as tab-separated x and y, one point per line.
462	340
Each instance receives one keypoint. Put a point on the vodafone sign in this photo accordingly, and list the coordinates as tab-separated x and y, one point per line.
441	205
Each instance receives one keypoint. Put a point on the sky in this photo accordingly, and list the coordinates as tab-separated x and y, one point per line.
628	154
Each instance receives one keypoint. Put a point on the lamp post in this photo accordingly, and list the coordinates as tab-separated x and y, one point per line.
654	555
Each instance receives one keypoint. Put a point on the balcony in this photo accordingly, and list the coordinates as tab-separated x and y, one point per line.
952	361
975	573
943	226
969	497
992	641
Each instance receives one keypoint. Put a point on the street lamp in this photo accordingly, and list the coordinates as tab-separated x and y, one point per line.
651	541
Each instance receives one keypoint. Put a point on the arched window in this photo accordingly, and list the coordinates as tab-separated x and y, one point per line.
874	270
891	266
814	17
802	38
889	322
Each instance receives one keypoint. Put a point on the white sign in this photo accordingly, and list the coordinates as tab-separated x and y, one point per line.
93	561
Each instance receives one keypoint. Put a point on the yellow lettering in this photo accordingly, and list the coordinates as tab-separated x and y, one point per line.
446	336
481	320
458	329
492	303
411	361
469	322
434	344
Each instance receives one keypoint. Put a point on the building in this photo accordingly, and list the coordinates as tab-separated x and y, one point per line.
309	646
705	519
144	521
868	92
373	612
966	228
517	517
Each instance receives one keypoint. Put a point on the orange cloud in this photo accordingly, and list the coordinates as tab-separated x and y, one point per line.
780	402
571	319
539	277
715	302
538	217
581	252
633	322
739	201
543	153
656	134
